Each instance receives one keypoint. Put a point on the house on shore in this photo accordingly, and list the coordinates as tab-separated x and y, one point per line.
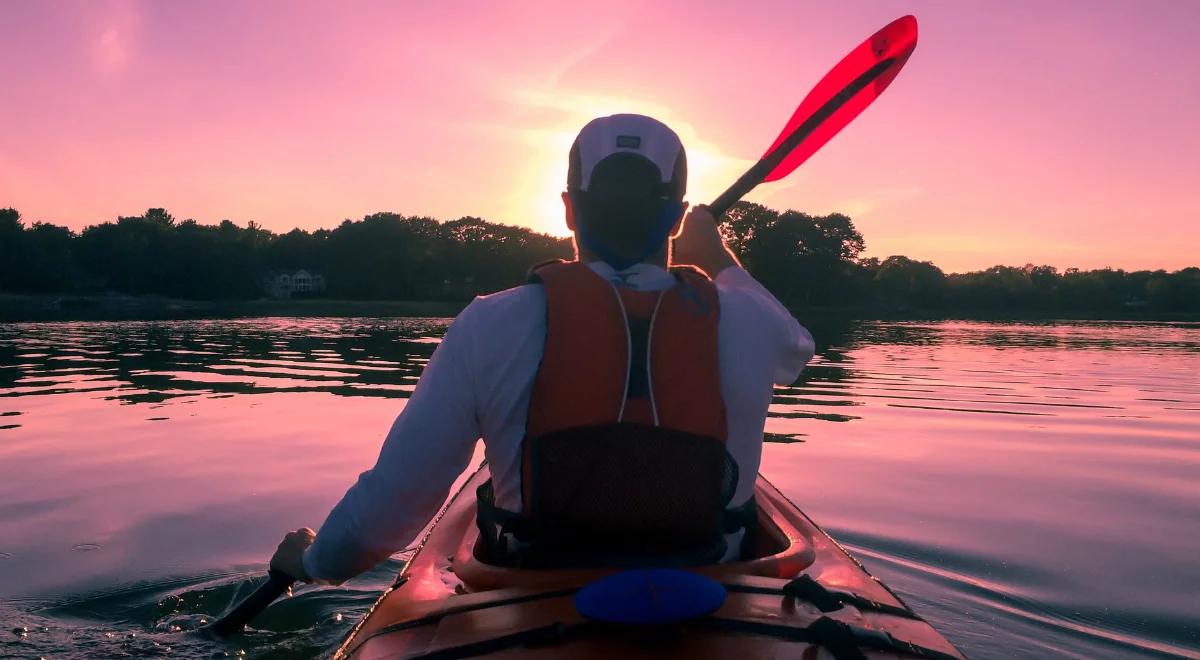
288	283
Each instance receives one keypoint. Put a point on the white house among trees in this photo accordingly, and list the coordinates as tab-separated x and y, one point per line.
285	284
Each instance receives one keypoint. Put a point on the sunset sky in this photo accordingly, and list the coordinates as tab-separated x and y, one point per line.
1054	132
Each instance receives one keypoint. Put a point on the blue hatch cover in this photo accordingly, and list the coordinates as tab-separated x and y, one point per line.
650	596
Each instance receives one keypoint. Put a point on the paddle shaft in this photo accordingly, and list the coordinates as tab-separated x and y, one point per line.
759	171
276	585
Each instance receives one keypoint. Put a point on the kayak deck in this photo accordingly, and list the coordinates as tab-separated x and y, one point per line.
447	603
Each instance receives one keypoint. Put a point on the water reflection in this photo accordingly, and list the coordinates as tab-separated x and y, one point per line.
1024	369
1042	480
1032	488
151	362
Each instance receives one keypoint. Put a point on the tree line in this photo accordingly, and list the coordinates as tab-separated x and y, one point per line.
805	260
382	256
815	260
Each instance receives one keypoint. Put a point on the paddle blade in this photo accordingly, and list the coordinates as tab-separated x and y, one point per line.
895	42
276	585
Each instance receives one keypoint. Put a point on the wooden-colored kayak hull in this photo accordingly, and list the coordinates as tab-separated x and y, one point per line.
447	601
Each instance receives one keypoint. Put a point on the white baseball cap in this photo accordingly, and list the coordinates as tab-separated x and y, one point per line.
638	135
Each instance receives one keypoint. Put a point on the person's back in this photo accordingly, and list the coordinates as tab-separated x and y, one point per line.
542	374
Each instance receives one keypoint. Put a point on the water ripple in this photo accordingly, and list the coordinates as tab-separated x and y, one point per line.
1031	488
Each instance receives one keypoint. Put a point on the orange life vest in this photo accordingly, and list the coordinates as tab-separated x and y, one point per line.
589	373
624	457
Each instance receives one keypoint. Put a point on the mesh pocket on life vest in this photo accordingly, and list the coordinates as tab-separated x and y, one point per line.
629	490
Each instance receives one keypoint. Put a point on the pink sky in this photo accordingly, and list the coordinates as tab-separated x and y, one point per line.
1047	132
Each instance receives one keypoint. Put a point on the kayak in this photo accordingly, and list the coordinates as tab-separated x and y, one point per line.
801	596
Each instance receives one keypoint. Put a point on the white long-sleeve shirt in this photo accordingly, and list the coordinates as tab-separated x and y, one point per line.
478	384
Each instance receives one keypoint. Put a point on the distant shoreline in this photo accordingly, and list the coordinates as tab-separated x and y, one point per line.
18	308
875	313
25	308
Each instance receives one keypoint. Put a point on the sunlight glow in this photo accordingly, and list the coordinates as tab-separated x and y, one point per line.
544	154
460	110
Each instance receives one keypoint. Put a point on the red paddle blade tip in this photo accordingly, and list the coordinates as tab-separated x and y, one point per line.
893	44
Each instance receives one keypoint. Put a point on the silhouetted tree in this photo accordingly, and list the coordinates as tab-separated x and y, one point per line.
12	256
803	259
37	258
903	282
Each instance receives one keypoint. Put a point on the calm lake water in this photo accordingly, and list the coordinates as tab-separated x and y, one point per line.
1031	489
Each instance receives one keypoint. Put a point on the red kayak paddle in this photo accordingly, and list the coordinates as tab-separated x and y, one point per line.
837	99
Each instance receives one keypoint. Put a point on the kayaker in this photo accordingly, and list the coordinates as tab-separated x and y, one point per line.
615	397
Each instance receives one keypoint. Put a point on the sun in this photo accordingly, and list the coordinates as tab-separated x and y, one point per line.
534	198
534	187
547	201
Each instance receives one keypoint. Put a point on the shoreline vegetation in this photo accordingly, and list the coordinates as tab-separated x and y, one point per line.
155	267
20	308
35	308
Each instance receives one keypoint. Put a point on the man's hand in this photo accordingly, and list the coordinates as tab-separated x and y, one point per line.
699	243
289	556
